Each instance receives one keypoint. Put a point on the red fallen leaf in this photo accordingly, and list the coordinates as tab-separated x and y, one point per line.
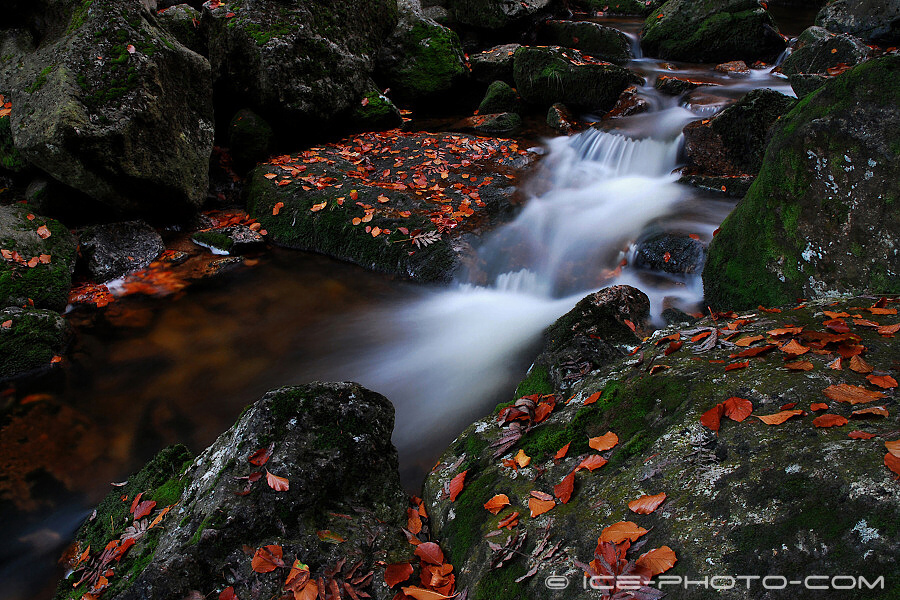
788	406
882	311
738	409
539	507
703	335
271	176
607	441
365	102
413	521
893	447
830	420
267	559
816	406
43	232
397	573
850	350
563	490
856	434
593	397
859	365
738	365
55	360
744	342
143	509
784	331
835	364
279	484
497	503
621	531
802	365
851	393
837	325
629	324
878	411
794	349
298	577
592	463
778	418
892	463
510	521
412	539
135	502
673	347
753	351
121	550
713	417
261	456
277	208
8	324
882	381
888	330
430	552
456	485
44	259
423	594
657	561
667	257
647	504
561	453
768	310
228	594
866	323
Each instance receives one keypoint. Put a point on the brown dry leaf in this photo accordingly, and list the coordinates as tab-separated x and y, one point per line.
835	364
318	207
882	311
878	411
279	484
563	490
856	434
750	352
522	459
888	330
746	341
539	507
738	409
456	485
593	398
883	381
893	447
430	553
892	463
561	453
738	365
859	365
397	573
657	561
604	442
509	521
497	503
647	504
277	208
621	531
851	393
592	463
43	232
801	365
778	418
830	420
713	417
423	594
267	559
413	520
794	348
785	331
817	406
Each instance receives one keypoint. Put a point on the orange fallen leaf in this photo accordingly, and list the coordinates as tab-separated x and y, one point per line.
430	552
837	325
658	560
794	348
522	459
621	531
713	417
816	406
851	393
878	411
778	418
456	485
657	368
277	208
318	207
607	441
413	520
143	509
860	435
647	504
882	381
539	507
593	397
802	365
746	341
738	365
43	232
859	365
397	573
888	330
267	559
8	324
893	447
784	331
830	420
509	521
561	453
423	594
892	462
279	484
882	311
738	409
228	594
592	463
270	175
497	503
563	490
750	352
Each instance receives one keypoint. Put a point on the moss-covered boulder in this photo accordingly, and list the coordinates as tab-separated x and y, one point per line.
38	258
249	137
302	65
876	21
712	31
504	123
29	339
599	41
669	252
182	21
331	444
494	64
233	239
805	84
421	59
792	500
115	107
818	50
393	202
375	112
734	141
546	75
493	15
823	214
498	98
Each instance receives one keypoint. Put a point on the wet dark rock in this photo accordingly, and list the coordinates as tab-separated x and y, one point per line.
817	50
600	41
640	8
234	239
494	64
420	60
734	68
674	316
249	138
24	276
11	160
876	21
301	65
790	499
676	86
29	339
494	15
731	186
331	441
547	75
670	253
182	21
115	250
560	118
499	98
712	32
629	103
821	217
375	112
506	123
805	84
734	141
114	106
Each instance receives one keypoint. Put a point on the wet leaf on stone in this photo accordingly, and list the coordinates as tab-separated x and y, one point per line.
267	559
647	504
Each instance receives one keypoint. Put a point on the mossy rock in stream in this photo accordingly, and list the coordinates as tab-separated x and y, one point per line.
29	339
330	441
790	500
640	8
817	50
600	41
712	31
499	98
824	214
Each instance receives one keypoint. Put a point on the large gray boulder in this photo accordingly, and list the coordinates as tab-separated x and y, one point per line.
501	14
822	215
817	50
112	105
600	41
876	21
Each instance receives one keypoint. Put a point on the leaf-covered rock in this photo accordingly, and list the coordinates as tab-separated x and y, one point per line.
817	50
711	31
494	64
822	214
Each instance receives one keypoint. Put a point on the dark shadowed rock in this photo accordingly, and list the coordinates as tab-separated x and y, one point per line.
10	158
501	14
182	21
629	103
822	215
115	250
600	41
712	31
498	98
670	253
249	138
676	86
560	118
805	84
494	64
29	339
817	51
234	239
640	8
734	141
876	21
330	441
